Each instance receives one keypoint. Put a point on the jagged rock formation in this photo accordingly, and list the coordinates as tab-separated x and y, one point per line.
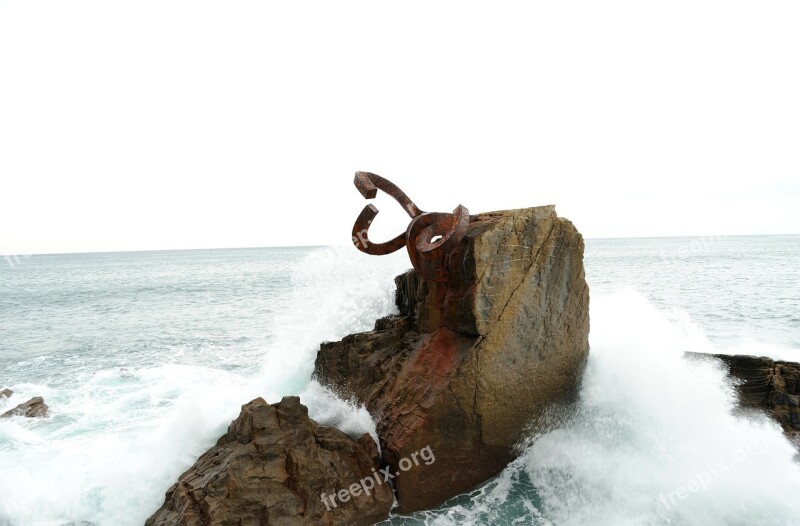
469	363
33	408
773	386
272	468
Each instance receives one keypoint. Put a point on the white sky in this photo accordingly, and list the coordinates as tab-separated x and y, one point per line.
181	124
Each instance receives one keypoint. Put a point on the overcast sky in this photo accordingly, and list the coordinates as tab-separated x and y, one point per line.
171	124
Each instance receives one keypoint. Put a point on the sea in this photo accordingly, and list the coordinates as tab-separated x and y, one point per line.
144	358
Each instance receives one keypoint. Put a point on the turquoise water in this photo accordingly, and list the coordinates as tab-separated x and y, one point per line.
144	358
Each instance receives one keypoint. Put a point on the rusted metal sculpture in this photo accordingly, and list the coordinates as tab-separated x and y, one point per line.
429	237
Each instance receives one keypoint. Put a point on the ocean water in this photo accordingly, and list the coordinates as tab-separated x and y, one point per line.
145	358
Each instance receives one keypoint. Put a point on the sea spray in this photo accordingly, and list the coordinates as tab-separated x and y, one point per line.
118	437
328	409
650	425
107	453
334	292
652	440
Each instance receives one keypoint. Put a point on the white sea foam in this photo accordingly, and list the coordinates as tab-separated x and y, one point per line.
760	348
328	409
106	455
653	440
113	445
335	291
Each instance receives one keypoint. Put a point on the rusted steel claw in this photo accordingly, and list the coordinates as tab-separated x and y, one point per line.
449	228
429	237
361	235
369	184
428	256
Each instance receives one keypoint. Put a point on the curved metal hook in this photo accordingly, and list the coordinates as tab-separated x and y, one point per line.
427	256
369	184
361	235
450	228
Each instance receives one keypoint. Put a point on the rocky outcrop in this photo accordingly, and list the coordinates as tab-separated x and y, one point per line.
33	408
6	393
764	383
469	363
273	467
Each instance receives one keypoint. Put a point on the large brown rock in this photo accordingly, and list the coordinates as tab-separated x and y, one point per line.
33	408
767	384
271	468
470	363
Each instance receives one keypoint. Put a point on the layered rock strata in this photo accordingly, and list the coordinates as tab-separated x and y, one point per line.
769	385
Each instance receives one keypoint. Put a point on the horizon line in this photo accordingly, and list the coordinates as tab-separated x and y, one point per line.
262	247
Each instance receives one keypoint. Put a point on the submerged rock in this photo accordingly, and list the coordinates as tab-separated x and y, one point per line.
471	362
33	408
273	467
767	384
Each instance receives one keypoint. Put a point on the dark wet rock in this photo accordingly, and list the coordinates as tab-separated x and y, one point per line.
6	393
766	384
368	443
272	468
33	408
